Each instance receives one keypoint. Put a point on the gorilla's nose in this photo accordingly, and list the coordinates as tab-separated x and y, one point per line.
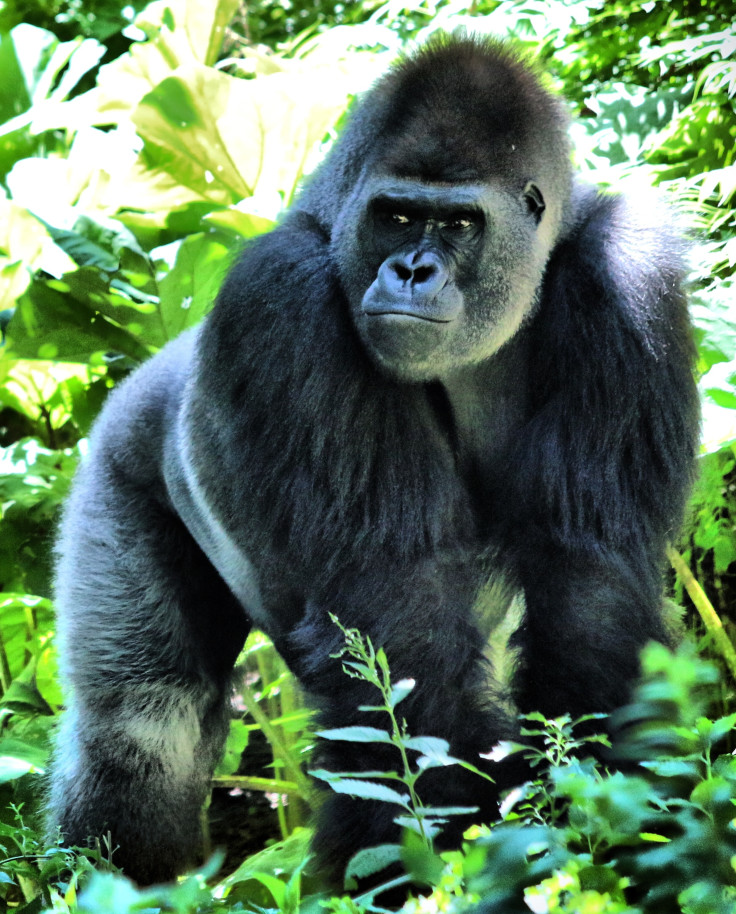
418	273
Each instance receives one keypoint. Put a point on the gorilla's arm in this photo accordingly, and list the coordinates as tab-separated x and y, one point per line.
149	633
602	473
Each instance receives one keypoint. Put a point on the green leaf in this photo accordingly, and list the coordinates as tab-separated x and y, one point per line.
365	790
400	690
723	398
15	96
433	748
424	865
24	696
357	734
189	289
32	756
276	886
713	792
598	879
240	222
235	746
671	768
13	768
226	138
67	320
716	730
285	856
444	812
372	860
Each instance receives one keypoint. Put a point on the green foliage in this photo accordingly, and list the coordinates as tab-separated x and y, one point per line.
654	838
271	703
658	840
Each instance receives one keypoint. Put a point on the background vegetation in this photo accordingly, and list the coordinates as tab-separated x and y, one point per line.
139	145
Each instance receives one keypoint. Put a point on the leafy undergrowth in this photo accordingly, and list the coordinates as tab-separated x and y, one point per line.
655	836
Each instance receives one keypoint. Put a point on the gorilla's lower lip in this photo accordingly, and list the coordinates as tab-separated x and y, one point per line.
410	315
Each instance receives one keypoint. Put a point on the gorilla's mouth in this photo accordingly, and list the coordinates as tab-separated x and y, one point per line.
400	315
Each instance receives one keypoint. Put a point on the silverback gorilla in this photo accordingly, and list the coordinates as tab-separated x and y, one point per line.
450	371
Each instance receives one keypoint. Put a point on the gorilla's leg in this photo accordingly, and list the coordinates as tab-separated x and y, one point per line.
587	620
149	634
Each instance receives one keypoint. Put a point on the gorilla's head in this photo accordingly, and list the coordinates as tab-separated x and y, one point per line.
443	242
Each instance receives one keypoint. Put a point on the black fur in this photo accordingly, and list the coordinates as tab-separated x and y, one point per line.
299	454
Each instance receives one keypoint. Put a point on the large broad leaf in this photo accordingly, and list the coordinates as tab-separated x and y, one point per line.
188	291
242	220
62	319
14	99
18	758
50	70
15	96
178	32
227	138
189	28
24	245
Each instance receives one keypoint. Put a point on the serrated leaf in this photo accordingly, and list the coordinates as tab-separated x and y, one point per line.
429	827
372	860
365	790
717	729
445	811
356	734
432	747
671	768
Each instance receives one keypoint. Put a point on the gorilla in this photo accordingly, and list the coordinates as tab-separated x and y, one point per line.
452	380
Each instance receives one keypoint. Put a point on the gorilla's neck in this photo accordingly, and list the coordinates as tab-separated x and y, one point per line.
489	403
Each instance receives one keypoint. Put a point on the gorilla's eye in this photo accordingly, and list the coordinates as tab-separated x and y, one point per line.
398	219
457	224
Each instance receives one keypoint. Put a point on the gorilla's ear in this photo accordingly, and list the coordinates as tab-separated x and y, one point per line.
534	201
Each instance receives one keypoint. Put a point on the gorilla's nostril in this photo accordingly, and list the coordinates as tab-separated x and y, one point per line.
422	274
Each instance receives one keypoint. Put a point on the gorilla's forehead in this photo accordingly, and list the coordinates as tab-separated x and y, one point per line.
462	113
459	148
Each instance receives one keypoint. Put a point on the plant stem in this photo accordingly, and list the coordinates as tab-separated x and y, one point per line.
710	617
277	744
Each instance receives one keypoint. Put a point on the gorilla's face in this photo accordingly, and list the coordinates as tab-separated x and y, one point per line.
440	276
